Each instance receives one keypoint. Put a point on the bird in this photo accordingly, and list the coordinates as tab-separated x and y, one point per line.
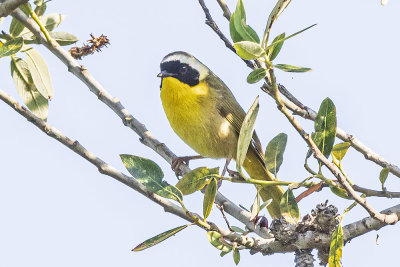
204	113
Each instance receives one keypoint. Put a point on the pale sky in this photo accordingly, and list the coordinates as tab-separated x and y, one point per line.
58	210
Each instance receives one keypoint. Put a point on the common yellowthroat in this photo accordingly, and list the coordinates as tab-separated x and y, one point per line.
204	113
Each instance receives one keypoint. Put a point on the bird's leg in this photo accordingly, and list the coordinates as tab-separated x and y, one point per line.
228	160
176	163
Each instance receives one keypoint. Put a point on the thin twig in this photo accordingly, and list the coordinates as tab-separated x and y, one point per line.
227	13
221	208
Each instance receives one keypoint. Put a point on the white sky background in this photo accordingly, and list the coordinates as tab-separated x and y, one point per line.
57	210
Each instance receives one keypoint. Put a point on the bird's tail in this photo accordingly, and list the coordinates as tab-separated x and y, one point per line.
255	167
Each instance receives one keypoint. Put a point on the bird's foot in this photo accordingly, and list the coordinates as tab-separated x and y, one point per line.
178	161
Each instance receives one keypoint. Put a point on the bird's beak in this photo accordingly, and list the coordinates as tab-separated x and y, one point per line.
164	74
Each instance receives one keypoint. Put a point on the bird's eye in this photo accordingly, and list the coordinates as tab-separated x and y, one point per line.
183	70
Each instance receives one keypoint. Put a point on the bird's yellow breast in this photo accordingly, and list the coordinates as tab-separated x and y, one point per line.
193	115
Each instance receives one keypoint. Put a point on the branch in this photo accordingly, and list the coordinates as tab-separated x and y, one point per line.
299	109
140	129
8	6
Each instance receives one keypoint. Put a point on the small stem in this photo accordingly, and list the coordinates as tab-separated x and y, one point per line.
39	23
255	181
339	165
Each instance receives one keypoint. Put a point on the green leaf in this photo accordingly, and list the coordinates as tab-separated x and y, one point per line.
290	68
290	36
17	27
236	256
159	238
340	150
209	197
266	203
223	253
325	126
248	50
238	229
278	9
383	176
196	179
246	134
255	208
274	50
40	7
26	89
149	174
274	153
64	38
336	247
51	21
11	47
40	72
340	192
239	30
215	240
289	209
256	75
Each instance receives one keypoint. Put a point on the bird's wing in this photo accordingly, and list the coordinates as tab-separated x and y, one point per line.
230	109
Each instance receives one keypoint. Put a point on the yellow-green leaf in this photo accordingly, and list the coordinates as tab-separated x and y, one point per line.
11	47
196	179
35	102
159	238
276	46
40	72
17	27
289	209
290	68
236	256
336	247
209	197
51	21
340	192
274	153
278	9
248	50
340	150
246	134
215	240
255	208
383	176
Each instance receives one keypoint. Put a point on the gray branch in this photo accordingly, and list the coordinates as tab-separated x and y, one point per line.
8	6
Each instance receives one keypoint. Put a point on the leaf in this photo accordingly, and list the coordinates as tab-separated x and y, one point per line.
51	21
40	7
278	9
149	174
266	203
274	153
289	209
209	197
159	238
246	134
17	27
64	38
255	208
290	36
11	47
239	30
40	73
26	89
336	247
238	229
290	68
325	126
340	150
195	180
215	240
383	176
223	253
274	49
248	50
256	75
340	192
236	256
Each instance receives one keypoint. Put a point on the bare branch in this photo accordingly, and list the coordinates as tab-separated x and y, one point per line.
227	13
8	6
